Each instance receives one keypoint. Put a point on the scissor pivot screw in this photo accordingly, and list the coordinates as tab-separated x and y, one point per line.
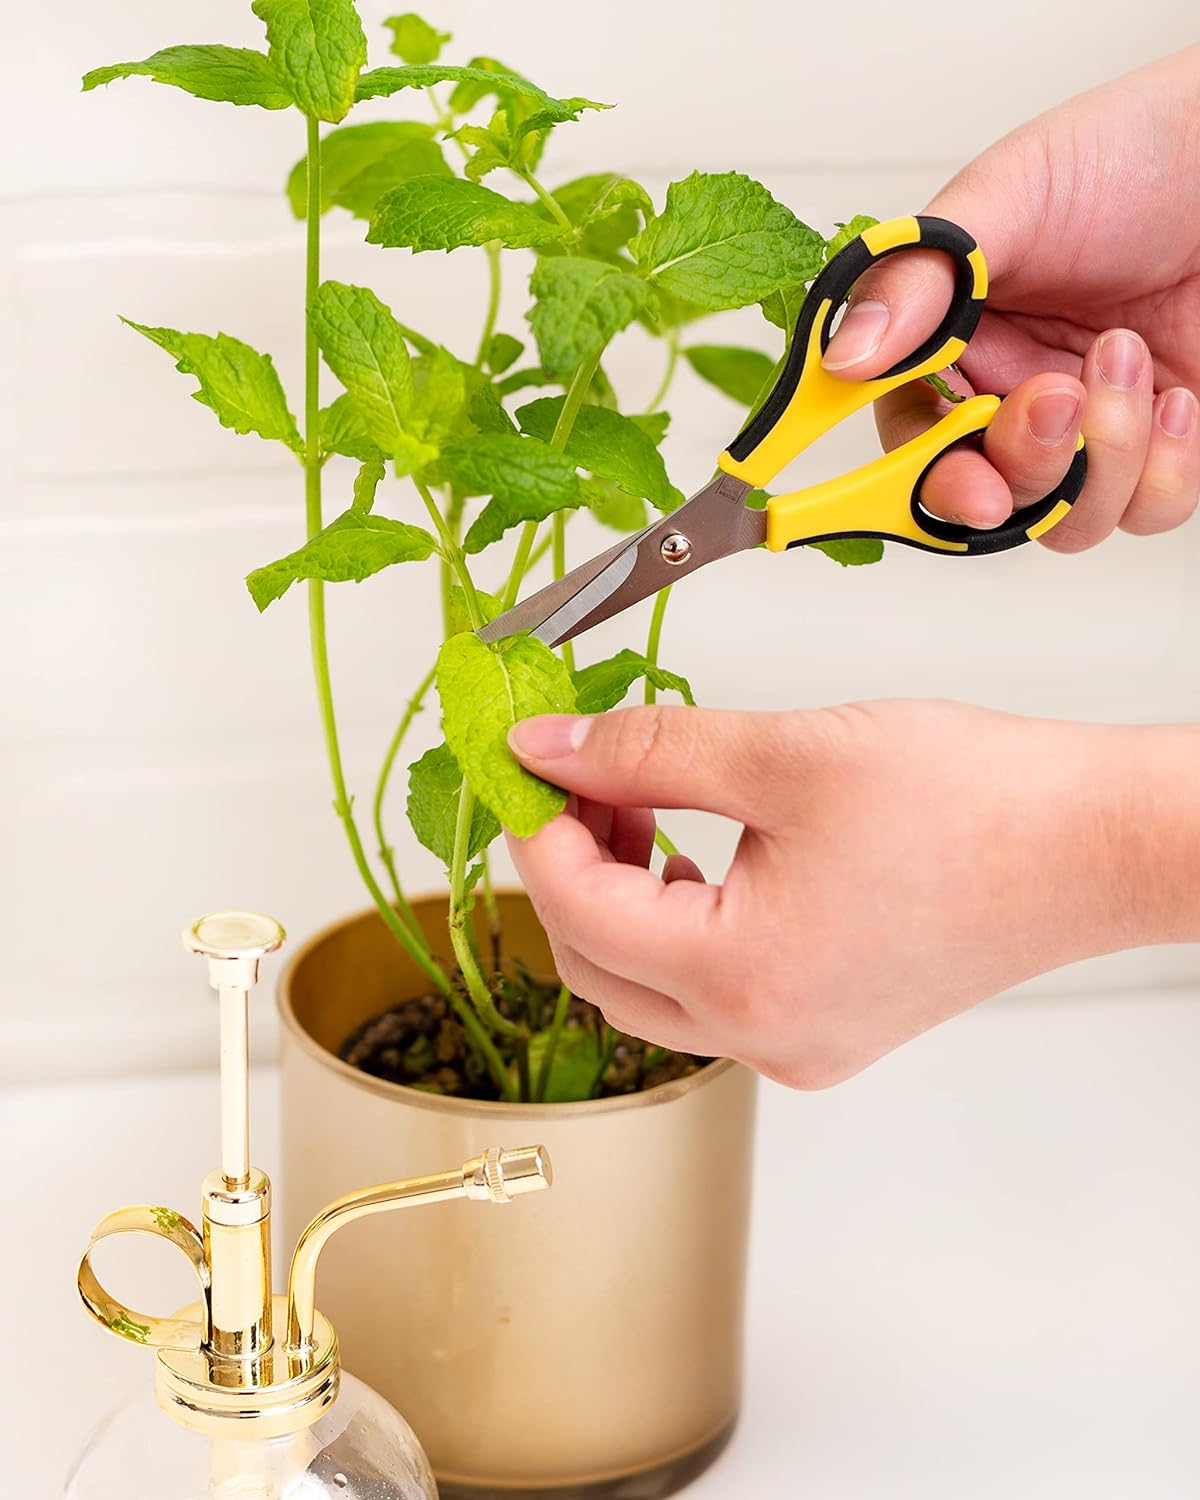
676	548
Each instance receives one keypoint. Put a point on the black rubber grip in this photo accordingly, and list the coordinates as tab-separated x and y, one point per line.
834	285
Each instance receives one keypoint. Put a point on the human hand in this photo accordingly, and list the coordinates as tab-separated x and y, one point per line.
900	861
1092	238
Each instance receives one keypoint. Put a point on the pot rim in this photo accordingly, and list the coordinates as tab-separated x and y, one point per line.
445	1103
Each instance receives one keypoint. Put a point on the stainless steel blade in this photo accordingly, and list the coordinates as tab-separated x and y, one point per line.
531	612
714	523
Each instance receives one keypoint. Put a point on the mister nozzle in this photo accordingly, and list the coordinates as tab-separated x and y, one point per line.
502	1176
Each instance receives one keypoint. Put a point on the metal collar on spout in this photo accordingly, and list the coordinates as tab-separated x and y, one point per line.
220	1362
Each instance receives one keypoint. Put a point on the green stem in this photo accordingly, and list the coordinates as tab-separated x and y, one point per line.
522	562
664	843
660	395
495	931
540	551
493	307
559	534
342	803
611	1036
453	554
386	855
556	1026
551	203
652	643
577	389
655	636
481	996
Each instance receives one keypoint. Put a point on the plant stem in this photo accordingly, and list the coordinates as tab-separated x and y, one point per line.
343	806
611	1036
664	843
495	931
556	1026
652	643
412	709
659	396
453	554
522	561
577	388
481	996
559	533
540	551
547	198
493	307
655	636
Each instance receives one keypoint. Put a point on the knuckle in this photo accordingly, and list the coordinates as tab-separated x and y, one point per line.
1075	534
638	736
1160	503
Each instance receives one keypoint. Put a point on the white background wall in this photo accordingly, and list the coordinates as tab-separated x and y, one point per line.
159	753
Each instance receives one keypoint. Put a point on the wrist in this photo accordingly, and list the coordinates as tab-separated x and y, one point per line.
1156	831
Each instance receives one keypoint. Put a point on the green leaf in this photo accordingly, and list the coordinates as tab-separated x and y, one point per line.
348	550
236	382
485	410
318	49
579	305
605	207
442	213
783	307
653	423
739	373
342	431
723	241
852	551
531	376
846	233
414	40
485	690
526	479
366	482
364	347
437	409
607	445
602	685
487	76
458	617
574	1065
492	79
501	352
359	163
434	784
611	506
228	75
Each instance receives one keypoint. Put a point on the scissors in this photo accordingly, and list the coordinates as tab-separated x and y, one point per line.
881	499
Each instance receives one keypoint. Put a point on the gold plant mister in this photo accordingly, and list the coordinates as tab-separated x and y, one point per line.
262	1408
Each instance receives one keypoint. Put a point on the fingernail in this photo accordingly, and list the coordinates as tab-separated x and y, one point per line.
1120	357
858	335
1052	415
1177	414
549	736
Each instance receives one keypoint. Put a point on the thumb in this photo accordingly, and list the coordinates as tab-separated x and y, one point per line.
658	756
899	302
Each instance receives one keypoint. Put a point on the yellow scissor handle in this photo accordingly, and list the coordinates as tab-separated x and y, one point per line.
882	499
806	401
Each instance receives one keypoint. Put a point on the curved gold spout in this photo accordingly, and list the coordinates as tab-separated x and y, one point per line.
495	1177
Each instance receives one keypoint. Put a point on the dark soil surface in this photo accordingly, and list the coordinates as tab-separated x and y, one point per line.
421	1044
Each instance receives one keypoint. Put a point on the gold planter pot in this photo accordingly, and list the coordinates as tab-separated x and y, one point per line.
589	1345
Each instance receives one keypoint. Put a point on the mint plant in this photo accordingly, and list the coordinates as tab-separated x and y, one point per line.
477	460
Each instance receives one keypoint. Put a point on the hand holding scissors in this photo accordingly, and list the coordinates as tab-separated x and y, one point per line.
881	499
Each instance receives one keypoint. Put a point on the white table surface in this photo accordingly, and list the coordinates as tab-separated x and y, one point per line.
974	1268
